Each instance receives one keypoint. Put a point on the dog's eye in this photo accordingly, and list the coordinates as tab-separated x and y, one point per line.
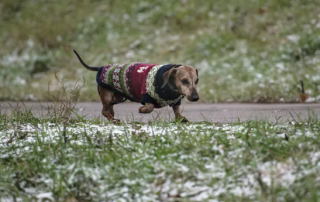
185	81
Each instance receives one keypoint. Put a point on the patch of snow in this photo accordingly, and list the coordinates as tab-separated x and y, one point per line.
278	172
45	196
19	81
293	38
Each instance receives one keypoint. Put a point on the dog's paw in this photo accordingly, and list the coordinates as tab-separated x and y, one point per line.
116	121
182	119
144	110
141	109
110	118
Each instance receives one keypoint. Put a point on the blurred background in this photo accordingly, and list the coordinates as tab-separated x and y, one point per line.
245	50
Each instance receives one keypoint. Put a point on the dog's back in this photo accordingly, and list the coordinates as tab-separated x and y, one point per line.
128	79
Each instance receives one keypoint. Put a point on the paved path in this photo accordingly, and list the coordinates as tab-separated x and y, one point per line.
222	113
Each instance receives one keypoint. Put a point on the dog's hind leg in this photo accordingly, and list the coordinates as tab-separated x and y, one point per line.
179	117
107	98
112	111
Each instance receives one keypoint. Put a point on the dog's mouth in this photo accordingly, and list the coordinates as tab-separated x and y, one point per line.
192	98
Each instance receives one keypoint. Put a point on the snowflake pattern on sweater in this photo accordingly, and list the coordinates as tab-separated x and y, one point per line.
136	82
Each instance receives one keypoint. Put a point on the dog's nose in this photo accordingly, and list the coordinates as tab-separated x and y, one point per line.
195	97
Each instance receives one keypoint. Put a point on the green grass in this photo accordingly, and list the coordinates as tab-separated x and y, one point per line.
160	161
244	50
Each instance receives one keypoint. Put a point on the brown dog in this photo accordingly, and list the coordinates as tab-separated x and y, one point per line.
154	86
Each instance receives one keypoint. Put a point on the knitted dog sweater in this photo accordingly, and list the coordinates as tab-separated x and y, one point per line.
139	82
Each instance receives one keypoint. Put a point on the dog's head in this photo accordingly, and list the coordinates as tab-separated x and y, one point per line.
184	79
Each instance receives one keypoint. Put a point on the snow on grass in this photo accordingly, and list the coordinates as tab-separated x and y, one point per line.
153	162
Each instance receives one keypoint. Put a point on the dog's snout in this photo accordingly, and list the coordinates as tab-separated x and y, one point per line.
195	96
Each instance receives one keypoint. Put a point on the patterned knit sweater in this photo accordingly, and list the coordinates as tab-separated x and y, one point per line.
139	82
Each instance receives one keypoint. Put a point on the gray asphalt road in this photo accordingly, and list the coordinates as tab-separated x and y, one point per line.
222	113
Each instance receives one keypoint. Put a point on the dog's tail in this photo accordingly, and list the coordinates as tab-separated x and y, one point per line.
84	64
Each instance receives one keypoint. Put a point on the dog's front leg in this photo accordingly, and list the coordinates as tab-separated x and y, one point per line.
147	108
179	117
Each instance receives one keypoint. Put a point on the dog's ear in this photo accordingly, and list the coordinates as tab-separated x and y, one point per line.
197	72
167	76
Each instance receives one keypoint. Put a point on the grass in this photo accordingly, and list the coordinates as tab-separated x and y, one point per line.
89	160
244	50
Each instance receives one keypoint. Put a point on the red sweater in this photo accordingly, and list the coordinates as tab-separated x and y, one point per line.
138	82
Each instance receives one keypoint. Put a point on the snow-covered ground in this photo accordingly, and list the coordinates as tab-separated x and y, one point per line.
173	175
